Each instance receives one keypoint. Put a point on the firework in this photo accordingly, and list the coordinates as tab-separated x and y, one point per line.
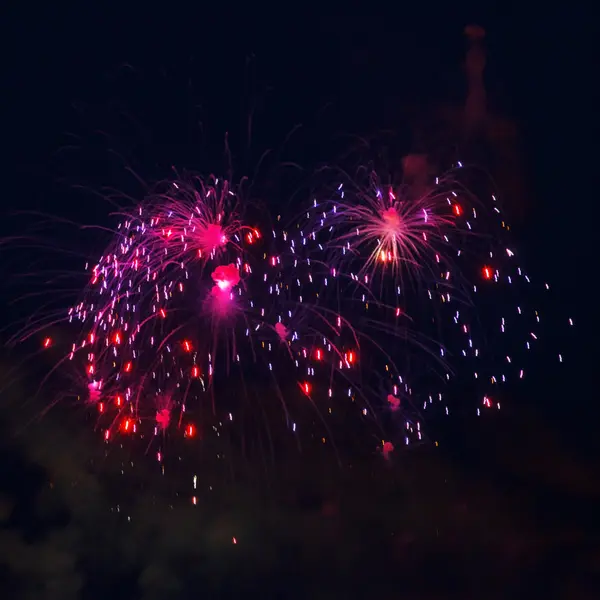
433	289
370	311
145	331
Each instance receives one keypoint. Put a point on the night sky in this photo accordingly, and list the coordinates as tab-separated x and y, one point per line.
93	96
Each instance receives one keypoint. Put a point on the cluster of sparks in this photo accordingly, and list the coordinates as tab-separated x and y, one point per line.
370	301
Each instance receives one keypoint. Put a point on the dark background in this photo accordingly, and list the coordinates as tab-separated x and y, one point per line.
506	509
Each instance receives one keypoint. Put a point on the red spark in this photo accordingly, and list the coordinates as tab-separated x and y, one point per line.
387	449
393	402
252	236
163	418
127	425
282	331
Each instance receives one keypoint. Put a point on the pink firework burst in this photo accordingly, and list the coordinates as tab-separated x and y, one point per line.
282	331
221	299
226	277
199	217
94	391
164	409
390	232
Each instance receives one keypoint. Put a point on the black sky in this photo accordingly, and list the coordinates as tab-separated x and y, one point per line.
160	87
89	90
